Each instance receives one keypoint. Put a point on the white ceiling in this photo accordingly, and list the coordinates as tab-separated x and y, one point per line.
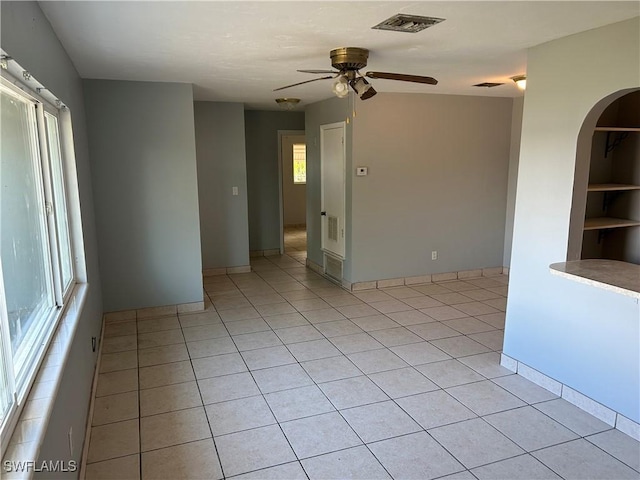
239	51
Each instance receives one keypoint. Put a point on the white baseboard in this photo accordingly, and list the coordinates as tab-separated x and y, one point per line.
583	402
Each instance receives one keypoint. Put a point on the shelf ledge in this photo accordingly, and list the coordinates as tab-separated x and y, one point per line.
601	223
611	187
617	129
612	275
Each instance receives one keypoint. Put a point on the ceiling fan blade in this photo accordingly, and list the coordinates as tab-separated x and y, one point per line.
403	77
302	83
319	71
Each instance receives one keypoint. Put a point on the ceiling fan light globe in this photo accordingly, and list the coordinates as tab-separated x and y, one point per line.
520	81
361	86
364	90
370	92
340	87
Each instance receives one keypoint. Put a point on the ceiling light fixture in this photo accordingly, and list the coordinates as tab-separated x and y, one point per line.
287	103
363	88
341	87
521	81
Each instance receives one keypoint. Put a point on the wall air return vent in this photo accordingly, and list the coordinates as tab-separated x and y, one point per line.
488	84
333	267
407	23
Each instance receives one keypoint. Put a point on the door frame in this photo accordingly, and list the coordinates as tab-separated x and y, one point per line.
330	126
283	133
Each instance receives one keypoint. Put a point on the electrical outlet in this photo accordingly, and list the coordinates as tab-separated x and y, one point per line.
71	441
234	191
434	255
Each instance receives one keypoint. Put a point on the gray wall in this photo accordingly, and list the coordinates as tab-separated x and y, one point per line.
28	37
142	146
514	158
220	149
261	131
438	167
322	113
582	336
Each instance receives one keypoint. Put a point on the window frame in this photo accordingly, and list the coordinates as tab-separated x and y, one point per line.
65	289
294	160
33	348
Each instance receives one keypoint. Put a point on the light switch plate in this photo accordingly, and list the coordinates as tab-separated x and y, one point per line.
362	171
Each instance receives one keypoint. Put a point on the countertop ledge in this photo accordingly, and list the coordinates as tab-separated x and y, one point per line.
619	277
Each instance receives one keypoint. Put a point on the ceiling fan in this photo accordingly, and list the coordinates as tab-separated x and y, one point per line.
348	61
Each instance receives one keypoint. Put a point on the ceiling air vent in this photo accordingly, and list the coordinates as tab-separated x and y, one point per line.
488	84
407	23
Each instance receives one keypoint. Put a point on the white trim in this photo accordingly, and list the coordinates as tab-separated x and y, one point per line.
427	278
509	363
540	379
628	426
330	126
30	90
45	390
584	403
212	272
72	190
34	399
30	353
92	401
7	423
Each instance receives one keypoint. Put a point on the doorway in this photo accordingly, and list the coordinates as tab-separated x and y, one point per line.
293	194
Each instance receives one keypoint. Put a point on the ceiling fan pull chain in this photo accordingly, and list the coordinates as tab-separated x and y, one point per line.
354	105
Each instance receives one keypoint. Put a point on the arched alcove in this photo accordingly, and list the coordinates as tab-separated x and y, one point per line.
605	212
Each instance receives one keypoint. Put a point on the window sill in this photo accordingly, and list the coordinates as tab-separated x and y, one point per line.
31	426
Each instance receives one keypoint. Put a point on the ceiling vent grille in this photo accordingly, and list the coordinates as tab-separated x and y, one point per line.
407	23
488	84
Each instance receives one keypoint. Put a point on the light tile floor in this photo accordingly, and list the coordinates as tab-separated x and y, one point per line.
287	376
295	242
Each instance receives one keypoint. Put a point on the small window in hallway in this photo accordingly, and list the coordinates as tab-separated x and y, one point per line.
299	163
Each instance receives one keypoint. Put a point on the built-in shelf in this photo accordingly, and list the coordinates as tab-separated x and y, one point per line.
617	129
612	214
611	187
599	223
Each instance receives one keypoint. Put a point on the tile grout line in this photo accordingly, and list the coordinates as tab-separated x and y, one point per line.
262	395
394	402
316	385
269	285
338	411
139	404
204	410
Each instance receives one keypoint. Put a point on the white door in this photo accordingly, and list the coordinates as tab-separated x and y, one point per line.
332	164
